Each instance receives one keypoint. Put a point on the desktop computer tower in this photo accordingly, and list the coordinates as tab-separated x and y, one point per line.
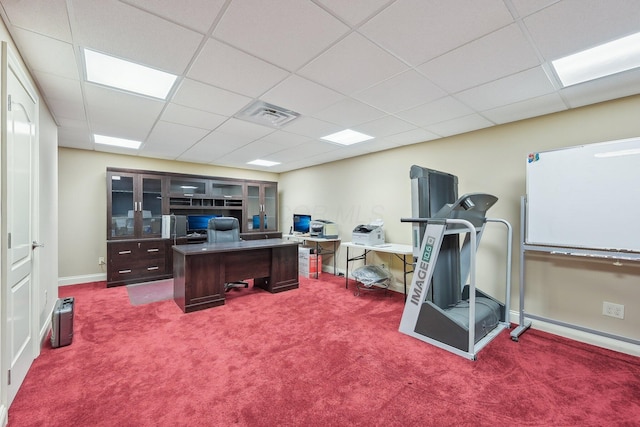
62	322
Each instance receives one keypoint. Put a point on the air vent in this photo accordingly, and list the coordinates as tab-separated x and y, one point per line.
267	114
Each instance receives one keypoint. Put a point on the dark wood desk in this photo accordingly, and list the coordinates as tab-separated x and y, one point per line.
201	270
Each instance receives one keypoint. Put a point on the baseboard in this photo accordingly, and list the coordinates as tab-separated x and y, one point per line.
581	336
76	280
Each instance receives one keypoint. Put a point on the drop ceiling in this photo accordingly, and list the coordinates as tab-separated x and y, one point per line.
402	71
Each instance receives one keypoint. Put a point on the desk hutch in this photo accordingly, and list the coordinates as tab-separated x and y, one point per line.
137	199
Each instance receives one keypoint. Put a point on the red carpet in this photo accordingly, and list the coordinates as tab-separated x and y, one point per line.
315	356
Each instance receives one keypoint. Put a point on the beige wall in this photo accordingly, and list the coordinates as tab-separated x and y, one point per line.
83	204
493	161
362	189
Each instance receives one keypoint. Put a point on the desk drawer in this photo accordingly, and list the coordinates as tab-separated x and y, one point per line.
137	260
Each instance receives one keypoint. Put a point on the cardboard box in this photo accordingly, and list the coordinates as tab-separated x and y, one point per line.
307	263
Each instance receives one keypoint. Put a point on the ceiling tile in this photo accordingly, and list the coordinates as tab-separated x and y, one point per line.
489	58
401	92
179	114
212	147
60	88
285	139
135	115
301	95
446	108
385	126
527	7
349	112
198	15
460	125
243	129
115	28
419	30
53	56
567	27
311	127
226	67
171	139
354	12
527	84
412	137
54	23
208	98
528	108
273	31
352	65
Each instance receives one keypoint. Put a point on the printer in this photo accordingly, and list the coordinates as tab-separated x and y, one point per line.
323	229
368	234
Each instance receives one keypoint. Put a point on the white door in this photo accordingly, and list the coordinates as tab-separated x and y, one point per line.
18	217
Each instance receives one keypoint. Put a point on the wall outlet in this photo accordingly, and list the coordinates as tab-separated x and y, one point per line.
101	260
613	310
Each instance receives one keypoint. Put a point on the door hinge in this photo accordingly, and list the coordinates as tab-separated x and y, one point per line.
9	377
9	241
9	103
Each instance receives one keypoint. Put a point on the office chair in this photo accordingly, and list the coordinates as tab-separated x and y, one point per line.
225	229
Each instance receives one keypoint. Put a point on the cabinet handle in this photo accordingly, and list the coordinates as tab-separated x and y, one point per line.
153	250
124	271
152	268
124	252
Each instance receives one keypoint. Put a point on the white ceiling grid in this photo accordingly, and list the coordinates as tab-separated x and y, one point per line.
403	71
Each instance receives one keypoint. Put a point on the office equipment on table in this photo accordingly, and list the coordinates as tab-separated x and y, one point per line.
301	223
221	230
62	322
201	270
402	252
581	201
323	229
174	226
471	318
368	234
320	249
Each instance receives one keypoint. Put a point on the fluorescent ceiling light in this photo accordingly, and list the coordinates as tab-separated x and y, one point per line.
109	71
347	137
259	162
609	58
116	142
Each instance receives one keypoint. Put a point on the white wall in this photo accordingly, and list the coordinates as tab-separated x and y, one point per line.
492	160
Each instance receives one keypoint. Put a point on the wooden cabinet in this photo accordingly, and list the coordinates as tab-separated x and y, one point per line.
262	207
137	201
131	261
135	205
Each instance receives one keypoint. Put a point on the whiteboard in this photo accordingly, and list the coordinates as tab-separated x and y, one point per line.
585	197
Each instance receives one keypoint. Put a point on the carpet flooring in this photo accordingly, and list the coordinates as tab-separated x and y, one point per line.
313	356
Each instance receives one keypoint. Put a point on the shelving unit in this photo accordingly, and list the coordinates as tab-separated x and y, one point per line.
137	200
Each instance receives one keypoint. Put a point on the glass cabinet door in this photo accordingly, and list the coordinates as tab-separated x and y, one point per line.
270	209
151	206
262	202
254	207
122	218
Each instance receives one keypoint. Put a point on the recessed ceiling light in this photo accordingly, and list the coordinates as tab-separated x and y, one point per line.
116	142
259	162
600	61
109	71
347	137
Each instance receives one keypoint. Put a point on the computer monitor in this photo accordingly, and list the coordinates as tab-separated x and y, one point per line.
301	223
198	223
